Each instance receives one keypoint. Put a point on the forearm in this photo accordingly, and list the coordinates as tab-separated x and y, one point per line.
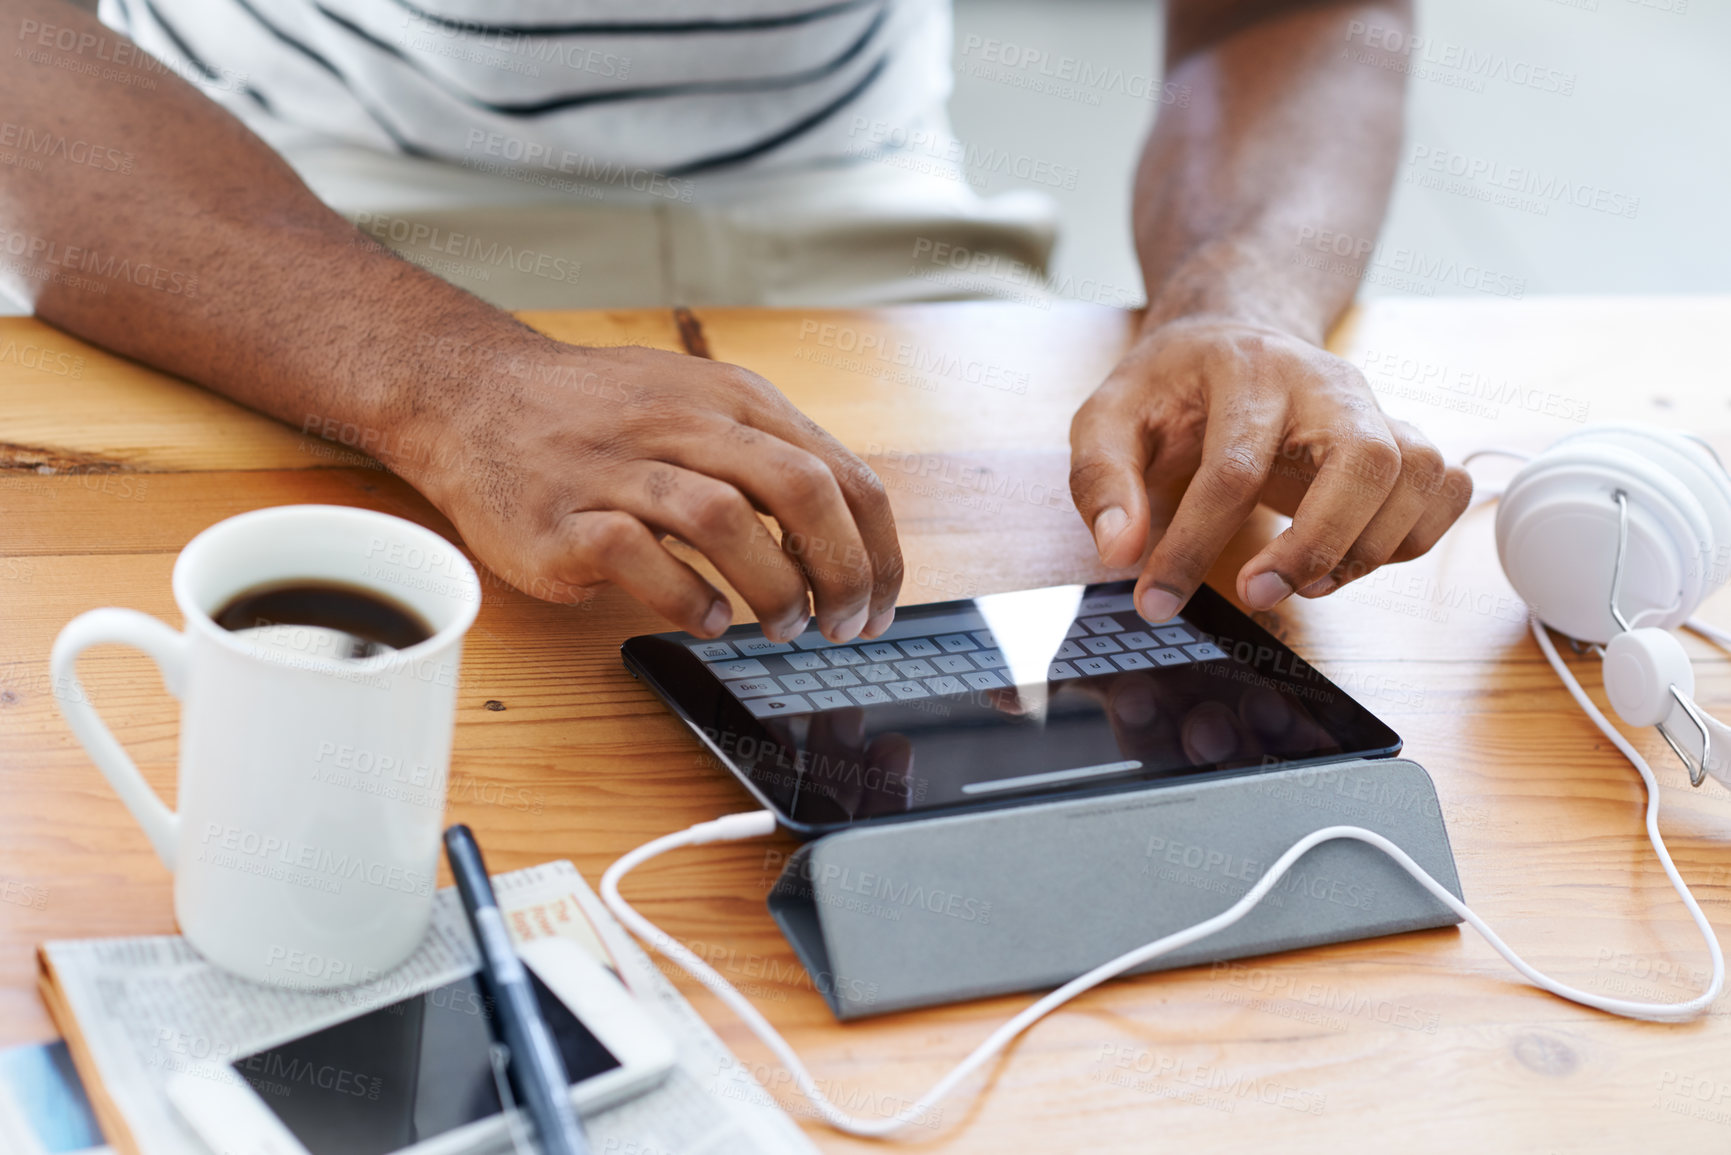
1282	141
176	237
189	245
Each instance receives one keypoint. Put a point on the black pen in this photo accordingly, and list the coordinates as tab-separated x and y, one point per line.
535	1060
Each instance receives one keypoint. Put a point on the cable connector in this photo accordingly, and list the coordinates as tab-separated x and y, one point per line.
734	827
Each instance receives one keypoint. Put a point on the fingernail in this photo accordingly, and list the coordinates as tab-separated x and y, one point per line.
1266	590
879	622
792	627
720	613
1158	605
1320	586
848	630
1107	526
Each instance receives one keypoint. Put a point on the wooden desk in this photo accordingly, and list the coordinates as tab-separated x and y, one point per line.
1426	1041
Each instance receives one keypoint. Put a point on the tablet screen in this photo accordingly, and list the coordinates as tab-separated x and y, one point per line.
1002	699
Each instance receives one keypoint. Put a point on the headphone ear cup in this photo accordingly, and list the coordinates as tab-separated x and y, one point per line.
1640	668
1699	470
1557	529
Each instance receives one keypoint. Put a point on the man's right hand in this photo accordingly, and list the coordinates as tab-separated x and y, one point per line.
563	467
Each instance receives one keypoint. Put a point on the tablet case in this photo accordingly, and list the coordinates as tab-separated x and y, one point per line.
910	914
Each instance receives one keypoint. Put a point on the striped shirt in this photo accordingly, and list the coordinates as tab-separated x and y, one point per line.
677	87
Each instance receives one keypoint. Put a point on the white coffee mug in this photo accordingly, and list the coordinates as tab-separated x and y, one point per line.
312	786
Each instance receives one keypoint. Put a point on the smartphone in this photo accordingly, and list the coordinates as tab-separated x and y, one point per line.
417	1077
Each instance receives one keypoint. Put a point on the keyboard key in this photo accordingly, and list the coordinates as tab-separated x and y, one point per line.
1061	671
812	640
1205	652
984	637
920	648
845	658
906	691
837	678
989	659
946	685
956	643
806	661
1103	603
753	647
870	695
1129	660
831	700
711	651
1169	657
1102	625
754	687
800	682
1075	631
983	680
738	668
881	651
1096	666
770	707
1175	635
917	668
878	672
1069	650
1138	640
1100	645
953	664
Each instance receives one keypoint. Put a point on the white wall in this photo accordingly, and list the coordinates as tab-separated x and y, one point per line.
1645	124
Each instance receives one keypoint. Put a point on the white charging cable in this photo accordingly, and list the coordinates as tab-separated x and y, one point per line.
1709	631
756	824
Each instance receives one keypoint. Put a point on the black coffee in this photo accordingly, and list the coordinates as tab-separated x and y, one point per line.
330	618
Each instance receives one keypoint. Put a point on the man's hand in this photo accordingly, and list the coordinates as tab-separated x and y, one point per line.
1250	414
562	467
1273	134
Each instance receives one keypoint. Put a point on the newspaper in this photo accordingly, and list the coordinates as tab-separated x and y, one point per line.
152	1007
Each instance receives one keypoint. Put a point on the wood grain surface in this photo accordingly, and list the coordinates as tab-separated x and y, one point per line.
1424	1042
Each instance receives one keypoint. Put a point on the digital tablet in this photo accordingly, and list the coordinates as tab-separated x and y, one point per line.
1001	700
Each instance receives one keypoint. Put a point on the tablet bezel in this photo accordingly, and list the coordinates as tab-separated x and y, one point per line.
663	663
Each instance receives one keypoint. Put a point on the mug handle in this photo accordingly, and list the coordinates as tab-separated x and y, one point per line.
168	647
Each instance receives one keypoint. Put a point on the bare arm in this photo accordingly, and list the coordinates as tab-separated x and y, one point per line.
1278	152
188	244
262	282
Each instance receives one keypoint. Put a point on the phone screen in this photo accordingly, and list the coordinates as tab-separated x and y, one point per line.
404	1073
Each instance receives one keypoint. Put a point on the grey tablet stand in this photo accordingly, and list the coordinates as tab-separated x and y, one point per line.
910	914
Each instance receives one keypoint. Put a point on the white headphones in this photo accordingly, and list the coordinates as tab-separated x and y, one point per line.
1615	535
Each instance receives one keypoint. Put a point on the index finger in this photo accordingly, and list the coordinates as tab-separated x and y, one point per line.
1237	455
819	534
865	496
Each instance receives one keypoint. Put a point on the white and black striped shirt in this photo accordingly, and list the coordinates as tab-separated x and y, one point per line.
675	86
